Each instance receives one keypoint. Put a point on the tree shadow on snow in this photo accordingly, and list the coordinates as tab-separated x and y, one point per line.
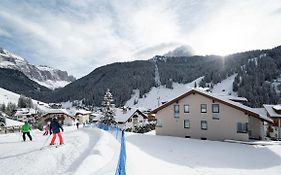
200	153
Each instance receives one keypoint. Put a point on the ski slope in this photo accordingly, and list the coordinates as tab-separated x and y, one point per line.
91	151
7	96
86	151
160	94
157	95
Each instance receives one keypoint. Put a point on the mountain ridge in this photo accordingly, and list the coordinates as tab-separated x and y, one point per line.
51	78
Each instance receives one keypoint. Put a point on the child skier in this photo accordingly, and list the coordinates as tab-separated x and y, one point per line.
55	127
46	129
25	129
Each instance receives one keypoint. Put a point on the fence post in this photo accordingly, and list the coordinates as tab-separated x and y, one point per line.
121	169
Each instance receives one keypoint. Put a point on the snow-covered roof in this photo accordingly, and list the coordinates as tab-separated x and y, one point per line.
59	111
271	112
251	111
123	115
261	112
97	116
2	114
82	111
10	122
25	112
232	97
277	107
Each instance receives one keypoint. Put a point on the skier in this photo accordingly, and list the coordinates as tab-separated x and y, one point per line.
77	124
46	129
25	129
55	127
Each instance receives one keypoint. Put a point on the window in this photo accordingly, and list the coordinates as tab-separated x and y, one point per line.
158	123
186	124
215	111
203	108
242	127
176	111
186	108
204	125
215	108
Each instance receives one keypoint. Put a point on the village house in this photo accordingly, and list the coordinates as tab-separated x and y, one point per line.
130	118
202	115
64	116
25	114
274	112
95	117
82	116
8	125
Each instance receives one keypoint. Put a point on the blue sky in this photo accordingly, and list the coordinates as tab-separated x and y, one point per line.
80	35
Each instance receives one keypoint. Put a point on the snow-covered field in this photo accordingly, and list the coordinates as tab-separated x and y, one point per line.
150	154
90	151
7	96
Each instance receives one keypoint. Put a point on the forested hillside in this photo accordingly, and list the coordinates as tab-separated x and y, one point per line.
257	72
16	81
257	78
120	78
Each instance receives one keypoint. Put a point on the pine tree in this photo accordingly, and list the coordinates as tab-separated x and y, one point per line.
108	109
3	107
11	107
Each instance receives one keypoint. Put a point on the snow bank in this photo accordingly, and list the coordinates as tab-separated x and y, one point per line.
103	158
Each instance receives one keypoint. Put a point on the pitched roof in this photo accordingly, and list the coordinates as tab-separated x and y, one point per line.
271	112
250	111
59	111
123	116
82	111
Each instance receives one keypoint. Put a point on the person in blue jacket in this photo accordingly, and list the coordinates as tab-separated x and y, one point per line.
55	128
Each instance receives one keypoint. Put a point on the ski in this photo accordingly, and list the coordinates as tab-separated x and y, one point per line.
51	146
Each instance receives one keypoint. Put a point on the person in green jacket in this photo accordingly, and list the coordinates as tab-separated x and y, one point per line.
25	129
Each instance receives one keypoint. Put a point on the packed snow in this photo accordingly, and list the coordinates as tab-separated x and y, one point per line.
86	151
225	87
91	151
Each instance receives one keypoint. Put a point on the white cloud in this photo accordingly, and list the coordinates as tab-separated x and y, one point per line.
78	36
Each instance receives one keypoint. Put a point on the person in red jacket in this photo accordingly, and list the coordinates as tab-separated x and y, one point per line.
55	128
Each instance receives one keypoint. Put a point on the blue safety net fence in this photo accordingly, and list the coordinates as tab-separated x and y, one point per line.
120	136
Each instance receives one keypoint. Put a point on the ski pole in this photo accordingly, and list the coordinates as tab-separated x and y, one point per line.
45	142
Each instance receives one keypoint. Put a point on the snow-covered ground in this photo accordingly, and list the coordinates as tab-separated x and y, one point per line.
52	84
86	151
157	95
160	94
151	154
7	96
90	151
226	86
